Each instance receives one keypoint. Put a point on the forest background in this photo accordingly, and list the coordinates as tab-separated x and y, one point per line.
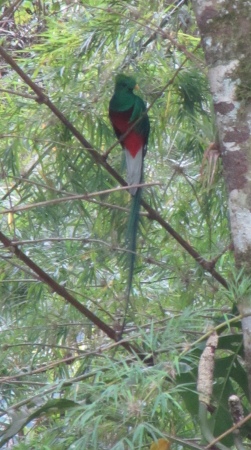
67	382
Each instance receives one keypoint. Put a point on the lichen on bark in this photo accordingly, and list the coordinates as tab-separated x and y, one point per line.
225	28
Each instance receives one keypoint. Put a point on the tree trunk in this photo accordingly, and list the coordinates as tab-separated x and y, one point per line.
225	28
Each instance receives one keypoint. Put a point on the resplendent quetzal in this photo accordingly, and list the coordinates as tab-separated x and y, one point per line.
125	110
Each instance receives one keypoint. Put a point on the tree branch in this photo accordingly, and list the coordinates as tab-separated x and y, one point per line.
101	160
62	292
70	198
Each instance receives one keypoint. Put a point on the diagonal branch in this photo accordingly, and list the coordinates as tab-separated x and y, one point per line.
154	215
70	198
20	94
101	160
60	290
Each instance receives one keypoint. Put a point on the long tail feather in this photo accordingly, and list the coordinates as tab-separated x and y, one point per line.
131	241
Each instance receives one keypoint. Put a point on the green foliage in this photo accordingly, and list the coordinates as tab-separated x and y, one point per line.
49	351
239	286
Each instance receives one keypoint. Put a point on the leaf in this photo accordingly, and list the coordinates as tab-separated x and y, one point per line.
161	444
20	419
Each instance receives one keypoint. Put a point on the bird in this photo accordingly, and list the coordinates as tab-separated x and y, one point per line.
128	116
126	109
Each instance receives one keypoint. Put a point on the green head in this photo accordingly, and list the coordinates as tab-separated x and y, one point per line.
124	83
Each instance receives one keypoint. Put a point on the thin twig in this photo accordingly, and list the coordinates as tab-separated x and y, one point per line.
20	94
208	333
27	173
101	160
62	292
73	197
229	431
61	191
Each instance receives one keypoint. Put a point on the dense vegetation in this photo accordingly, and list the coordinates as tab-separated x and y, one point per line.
65	383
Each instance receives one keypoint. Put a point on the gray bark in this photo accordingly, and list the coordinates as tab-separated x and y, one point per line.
225	28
